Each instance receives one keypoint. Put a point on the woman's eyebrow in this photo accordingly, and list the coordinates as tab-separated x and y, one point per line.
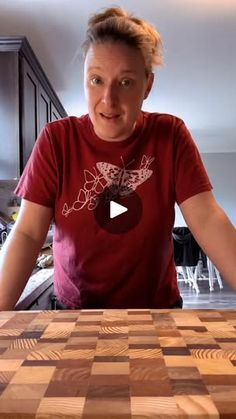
129	71
125	71
94	67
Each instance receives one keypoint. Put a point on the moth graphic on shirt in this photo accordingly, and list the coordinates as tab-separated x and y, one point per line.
118	181
122	181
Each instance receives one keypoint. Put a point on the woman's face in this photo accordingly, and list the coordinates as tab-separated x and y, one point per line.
115	86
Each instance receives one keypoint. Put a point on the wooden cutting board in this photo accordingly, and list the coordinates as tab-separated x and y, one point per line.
110	364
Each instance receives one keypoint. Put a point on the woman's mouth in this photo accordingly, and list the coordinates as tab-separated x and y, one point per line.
109	116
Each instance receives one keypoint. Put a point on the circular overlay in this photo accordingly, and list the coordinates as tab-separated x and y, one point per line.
121	223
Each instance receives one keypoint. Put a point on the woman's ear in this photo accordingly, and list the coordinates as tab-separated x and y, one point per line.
149	84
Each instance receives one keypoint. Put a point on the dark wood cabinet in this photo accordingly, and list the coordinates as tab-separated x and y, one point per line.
27	103
29	111
9	122
44	106
54	114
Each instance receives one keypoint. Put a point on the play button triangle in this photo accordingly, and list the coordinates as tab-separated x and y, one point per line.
116	209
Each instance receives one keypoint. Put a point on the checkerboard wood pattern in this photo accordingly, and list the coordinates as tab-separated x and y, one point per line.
110	364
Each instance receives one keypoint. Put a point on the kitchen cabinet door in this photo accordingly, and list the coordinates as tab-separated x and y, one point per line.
54	113
9	120
43	108
29	111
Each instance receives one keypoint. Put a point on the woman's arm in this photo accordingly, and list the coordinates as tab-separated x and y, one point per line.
20	251
213	231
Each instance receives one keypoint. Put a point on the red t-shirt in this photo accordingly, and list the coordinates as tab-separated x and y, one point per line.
68	169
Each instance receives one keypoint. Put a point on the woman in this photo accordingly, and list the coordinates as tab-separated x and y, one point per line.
116	153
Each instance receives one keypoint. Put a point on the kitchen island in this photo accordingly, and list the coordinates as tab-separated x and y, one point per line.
109	364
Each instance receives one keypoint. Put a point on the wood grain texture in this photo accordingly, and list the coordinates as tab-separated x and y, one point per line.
110	364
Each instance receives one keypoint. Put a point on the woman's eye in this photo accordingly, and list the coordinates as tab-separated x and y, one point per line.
96	81
126	82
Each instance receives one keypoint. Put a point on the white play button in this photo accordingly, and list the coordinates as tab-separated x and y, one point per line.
117	214
116	209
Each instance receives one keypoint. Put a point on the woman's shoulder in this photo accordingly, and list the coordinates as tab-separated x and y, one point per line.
68	122
162	118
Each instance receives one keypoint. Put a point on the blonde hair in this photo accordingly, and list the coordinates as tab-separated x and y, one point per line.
116	25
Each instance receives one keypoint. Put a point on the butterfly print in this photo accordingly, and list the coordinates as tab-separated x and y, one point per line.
125	181
118	181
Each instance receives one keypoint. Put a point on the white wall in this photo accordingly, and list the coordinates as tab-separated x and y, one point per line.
221	169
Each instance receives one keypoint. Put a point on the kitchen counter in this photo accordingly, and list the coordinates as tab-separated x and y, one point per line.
36	286
110	364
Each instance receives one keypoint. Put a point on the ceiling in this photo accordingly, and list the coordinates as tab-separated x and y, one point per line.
197	82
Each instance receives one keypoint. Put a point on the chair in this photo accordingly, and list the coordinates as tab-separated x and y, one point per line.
190	260
213	274
186	255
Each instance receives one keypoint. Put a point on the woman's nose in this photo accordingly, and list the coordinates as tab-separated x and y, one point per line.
109	96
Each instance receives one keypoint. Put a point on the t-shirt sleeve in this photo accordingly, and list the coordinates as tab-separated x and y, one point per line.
38	182
190	175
